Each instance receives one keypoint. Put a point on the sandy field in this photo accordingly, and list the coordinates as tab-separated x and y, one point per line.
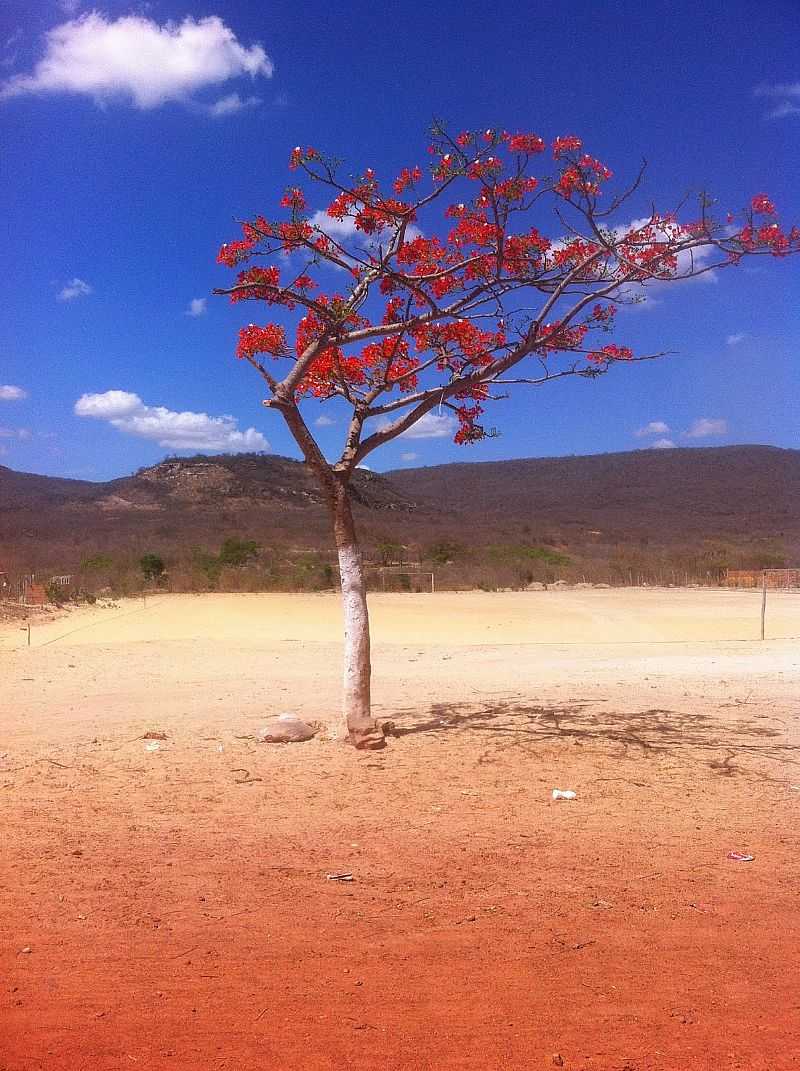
169	907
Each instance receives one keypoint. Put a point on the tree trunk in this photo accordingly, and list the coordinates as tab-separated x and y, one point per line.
359	727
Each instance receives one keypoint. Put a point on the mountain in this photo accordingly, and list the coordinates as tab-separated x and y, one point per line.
740	491
658	514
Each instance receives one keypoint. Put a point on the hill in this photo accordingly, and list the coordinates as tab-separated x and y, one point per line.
665	516
728	491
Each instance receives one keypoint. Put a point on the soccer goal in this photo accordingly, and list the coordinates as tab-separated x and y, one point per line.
771	579
782	579
399	578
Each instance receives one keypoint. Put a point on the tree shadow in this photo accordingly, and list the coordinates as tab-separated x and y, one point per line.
654	733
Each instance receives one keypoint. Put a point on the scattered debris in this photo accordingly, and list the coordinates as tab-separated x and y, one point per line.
564	794
247	779
154	734
286	729
339	876
741	857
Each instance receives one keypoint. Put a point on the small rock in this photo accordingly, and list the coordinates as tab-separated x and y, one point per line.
26	951
154	734
285	729
558	1059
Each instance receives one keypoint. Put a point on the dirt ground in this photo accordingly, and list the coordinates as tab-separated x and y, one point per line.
168	907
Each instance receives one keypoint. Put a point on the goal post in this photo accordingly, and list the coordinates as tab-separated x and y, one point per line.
755	579
400	579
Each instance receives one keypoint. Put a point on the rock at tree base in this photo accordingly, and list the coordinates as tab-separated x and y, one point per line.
285	729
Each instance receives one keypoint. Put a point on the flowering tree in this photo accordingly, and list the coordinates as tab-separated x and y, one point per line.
400	309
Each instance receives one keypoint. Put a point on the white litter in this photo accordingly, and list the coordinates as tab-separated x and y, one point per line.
564	794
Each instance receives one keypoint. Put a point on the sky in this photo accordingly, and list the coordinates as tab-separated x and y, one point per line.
135	135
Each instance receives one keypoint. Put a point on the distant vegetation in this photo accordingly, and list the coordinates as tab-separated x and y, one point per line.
256	523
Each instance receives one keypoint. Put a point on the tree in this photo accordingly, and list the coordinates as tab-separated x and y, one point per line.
152	567
235	551
403	314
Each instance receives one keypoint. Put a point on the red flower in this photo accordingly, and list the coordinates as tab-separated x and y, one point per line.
562	145
762	205
525	143
270	339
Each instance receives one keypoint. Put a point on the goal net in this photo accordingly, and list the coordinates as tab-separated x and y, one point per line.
772	579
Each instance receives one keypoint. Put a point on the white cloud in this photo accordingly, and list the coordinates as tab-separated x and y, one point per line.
647	295
197	306
655	427
69	7
15	433
786	96
780	111
75	288
232	104
133	58
324	421
345	230
704	427
662	444
177	431
12	394
734	340
430	426
409	455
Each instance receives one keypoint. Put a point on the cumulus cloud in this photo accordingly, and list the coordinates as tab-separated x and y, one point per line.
231	104
324	421
135	59
662	444
734	340
409	455
176	431
75	288
705	427
785	97
8	393
345	230
430	426
655	427
646	296
197	306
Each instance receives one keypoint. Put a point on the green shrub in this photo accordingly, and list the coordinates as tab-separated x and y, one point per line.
236	551
152	567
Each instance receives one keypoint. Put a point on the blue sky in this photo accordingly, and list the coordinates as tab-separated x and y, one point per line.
121	178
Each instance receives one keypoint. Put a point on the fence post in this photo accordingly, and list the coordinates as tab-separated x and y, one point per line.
763	600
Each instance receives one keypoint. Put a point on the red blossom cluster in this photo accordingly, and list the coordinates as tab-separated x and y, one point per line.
407	177
527	143
762	205
270	339
567	144
610	353
294	198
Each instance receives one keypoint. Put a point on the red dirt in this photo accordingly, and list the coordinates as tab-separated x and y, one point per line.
178	914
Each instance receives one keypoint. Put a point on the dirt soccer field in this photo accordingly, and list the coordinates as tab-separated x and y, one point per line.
168	908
